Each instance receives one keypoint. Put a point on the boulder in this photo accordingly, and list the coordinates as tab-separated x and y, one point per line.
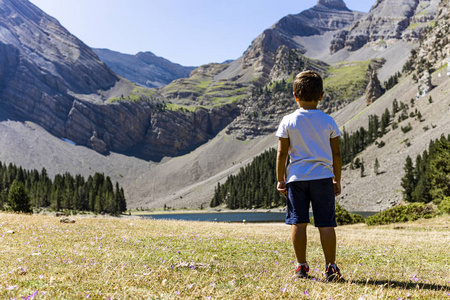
373	90
424	84
66	220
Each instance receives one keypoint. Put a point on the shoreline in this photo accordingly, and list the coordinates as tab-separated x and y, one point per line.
207	211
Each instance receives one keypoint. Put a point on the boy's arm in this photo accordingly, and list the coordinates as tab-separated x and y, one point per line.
337	165
282	155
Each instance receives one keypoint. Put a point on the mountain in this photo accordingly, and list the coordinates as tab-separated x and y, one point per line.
53	79
144	68
43	67
171	145
388	21
323	19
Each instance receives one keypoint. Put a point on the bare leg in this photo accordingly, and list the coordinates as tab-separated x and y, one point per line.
298	234
328	240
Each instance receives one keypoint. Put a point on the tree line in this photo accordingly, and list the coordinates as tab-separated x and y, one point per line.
428	180
352	144
24	190
253	187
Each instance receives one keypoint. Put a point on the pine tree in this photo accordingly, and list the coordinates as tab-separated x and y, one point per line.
395	107
122	202
18	198
376	166
2	198
439	169
408	180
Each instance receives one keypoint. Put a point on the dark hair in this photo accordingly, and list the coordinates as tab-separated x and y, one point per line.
308	86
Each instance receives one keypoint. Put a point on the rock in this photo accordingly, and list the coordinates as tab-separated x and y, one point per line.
338	41
66	220
424	85
290	61
448	67
97	144
21	271
373	90
334	4
387	20
434	49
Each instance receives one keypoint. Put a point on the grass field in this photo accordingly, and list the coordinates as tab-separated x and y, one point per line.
123	258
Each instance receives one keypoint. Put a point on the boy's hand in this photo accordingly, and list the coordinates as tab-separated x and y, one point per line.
281	187
337	188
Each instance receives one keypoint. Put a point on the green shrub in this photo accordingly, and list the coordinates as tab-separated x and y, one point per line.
343	217
402	213
444	206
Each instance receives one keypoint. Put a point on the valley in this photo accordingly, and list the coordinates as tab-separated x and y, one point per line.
171	144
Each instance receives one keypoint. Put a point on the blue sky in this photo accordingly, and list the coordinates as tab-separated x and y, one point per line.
188	32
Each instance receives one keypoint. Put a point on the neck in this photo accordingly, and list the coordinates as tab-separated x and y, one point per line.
308	105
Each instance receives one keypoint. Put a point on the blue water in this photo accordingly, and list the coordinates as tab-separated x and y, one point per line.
69	141
229	216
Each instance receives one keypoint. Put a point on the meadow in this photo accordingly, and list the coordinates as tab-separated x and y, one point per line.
129	258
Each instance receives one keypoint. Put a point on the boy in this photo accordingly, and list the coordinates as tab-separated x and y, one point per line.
311	139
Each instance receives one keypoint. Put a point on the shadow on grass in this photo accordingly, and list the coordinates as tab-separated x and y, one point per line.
401	284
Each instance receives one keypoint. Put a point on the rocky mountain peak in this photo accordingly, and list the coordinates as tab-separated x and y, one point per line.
334	4
327	16
387	20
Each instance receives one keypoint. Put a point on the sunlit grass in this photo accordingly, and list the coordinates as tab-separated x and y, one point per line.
347	80
101	258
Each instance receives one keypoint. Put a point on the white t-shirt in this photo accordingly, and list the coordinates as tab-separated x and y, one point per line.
309	133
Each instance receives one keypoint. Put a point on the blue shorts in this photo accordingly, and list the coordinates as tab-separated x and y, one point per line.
320	193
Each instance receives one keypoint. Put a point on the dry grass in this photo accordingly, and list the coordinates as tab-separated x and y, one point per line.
123	258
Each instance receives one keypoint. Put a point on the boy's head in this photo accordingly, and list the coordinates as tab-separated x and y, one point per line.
308	86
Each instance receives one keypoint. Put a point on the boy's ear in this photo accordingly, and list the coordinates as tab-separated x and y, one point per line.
295	97
321	97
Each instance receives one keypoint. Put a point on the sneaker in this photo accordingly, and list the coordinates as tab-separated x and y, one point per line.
301	272
332	273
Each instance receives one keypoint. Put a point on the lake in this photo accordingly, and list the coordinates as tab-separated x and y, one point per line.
261	217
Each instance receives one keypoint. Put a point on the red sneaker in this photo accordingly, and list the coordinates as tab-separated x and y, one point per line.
301	272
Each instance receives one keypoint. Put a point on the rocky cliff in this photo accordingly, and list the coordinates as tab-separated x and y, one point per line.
144	68
388	21
50	77
42	65
141	130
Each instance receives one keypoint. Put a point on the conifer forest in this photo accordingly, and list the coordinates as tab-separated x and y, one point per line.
22	191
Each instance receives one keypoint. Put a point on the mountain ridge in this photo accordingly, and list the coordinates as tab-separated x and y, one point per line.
387	20
143	68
